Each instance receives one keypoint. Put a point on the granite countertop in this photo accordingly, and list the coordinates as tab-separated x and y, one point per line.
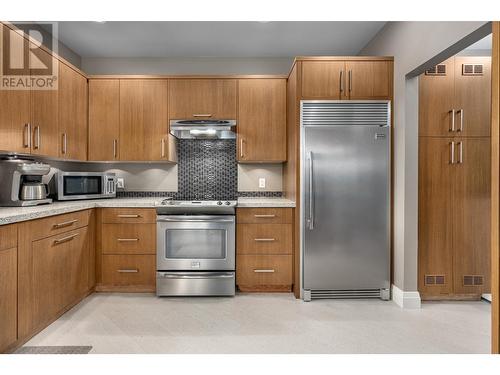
265	202
10	215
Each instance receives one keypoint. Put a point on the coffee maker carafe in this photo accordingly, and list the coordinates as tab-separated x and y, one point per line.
22	182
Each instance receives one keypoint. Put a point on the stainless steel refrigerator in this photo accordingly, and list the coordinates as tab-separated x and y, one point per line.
345	205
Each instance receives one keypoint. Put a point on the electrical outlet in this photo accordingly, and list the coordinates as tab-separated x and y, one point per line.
120	183
262	183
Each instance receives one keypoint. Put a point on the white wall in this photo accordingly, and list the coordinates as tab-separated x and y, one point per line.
411	44
199	65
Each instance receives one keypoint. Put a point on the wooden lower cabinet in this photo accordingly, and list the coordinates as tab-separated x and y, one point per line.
454	217
128	273
264	249
126	250
8	286
54	272
264	273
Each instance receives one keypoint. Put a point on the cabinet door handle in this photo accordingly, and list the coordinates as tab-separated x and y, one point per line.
27	135
242	154
65	143
452	129
452	156
461	113
341	81
350	80
127	239
163	147
264	271
65	224
128	271
202	115
115	147
261	216
460	153
65	239
264	239
36	145
129	215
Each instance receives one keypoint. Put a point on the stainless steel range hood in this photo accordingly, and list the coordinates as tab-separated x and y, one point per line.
203	129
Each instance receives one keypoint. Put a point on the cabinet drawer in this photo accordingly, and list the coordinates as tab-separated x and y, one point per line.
264	272
264	239
8	236
129	215
128	239
264	215
129	270
54	225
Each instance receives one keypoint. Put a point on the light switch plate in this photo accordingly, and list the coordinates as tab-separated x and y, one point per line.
262	183
120	183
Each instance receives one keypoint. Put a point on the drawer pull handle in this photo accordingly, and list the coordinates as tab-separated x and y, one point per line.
65	224
65	239
202	115
264	271
128	271
265	239
127	239
264	216
129	216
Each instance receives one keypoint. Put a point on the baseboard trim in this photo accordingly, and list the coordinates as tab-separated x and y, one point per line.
406	300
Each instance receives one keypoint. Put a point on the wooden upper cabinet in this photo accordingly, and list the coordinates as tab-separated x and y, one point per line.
368	79
473	95
352	79
436	100
15	108
73	123
262	120
144	120
323	79
44	116
202	99
104	119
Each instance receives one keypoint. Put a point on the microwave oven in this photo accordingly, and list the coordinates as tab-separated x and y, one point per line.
84	185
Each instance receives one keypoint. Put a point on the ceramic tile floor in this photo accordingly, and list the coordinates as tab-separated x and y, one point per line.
268	323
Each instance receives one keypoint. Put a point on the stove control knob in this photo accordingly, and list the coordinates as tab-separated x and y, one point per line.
219	203
227	203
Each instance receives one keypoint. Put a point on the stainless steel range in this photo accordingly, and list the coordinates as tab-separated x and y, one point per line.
195	248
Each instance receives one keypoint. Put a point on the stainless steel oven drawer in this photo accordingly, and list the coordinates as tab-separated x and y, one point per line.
195	284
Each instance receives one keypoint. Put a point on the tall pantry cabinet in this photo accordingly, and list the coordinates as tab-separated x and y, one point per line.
454	179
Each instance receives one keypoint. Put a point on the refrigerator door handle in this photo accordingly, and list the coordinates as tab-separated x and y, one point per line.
310	221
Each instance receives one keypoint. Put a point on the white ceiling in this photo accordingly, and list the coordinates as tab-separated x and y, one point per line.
216	39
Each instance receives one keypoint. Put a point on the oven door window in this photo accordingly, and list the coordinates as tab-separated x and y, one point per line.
195	243
78	185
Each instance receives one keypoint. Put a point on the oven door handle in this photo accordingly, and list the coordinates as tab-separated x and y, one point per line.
196	220
198	276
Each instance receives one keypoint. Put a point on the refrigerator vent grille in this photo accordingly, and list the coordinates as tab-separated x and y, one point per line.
345	293
372	113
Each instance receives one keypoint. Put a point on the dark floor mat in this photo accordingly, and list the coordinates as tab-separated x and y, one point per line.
54	350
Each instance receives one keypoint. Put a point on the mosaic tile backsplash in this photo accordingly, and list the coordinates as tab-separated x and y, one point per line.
207	170
176	196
